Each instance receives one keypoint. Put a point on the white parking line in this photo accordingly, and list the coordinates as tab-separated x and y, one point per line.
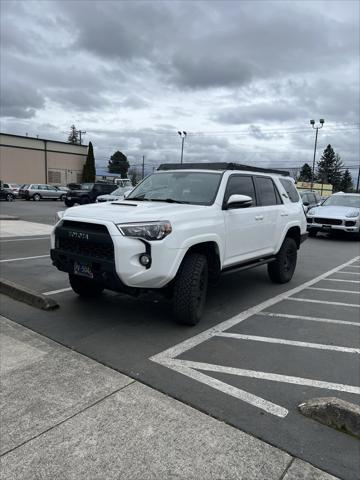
353	266
26	239
350	273
275	377
310	319
23	258
283	341
333	290
310	300
168	358
54	292
340	280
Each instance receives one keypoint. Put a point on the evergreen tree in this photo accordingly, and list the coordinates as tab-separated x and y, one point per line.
346	184
73	135
89	172
118	163
329	168
305	173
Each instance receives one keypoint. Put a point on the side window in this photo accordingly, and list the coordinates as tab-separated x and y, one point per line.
5	185
290	190
240	185
268	194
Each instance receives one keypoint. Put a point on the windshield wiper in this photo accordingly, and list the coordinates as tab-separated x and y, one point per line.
167	200
139	199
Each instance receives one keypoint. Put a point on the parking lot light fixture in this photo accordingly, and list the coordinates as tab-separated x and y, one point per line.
182	135
312	123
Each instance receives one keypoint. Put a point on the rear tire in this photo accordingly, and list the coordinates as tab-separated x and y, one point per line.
85	287
190	288
36	197
69	203
282	269
62	197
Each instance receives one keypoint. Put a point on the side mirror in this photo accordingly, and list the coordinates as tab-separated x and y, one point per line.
239	201
126	194
306	204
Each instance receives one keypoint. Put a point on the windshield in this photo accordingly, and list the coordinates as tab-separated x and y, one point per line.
87	186
199	188
343	201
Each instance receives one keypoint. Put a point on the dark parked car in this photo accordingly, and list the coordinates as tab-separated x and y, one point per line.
5	194
88	193
310	199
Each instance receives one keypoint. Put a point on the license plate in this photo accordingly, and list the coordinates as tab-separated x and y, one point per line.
326	228
83	269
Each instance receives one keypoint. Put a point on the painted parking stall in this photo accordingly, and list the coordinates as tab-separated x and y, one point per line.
298	345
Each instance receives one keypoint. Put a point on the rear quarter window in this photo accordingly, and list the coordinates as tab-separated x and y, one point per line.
290	189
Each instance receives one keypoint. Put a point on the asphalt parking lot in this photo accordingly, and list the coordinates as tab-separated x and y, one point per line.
260	350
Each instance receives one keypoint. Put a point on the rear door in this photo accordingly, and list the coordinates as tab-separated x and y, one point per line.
271	209
243	227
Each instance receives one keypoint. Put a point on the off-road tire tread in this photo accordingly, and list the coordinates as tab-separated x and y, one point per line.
186	286
276	268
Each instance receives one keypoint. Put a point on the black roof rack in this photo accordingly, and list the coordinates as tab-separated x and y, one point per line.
219	166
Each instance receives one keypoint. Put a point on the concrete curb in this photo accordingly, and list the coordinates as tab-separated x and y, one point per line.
335	413
24	294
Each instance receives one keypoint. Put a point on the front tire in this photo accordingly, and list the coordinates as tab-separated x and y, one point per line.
282	269
190	289
85	287
9	197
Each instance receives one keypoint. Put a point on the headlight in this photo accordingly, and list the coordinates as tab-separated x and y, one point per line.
147	231
311	212
58	216
352	214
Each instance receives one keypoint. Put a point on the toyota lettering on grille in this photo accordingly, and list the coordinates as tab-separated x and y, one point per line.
79	235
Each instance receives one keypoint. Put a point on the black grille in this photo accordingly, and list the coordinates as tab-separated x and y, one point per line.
328	221
85	239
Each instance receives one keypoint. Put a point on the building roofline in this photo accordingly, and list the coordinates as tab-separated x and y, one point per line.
43	139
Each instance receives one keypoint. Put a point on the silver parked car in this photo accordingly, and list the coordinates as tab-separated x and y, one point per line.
38	191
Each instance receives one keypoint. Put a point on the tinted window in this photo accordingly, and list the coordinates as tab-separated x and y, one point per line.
290	190
240	185
268	195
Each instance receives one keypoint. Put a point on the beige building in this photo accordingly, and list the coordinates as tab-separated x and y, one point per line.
37	160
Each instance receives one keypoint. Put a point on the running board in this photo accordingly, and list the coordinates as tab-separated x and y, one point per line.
247	265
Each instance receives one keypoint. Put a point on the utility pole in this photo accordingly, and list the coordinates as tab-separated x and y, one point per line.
182	135
312	122
80	132
143	167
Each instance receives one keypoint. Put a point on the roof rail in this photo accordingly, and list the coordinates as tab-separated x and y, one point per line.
219	166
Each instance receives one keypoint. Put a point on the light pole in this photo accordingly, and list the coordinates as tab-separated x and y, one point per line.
182	135
312	122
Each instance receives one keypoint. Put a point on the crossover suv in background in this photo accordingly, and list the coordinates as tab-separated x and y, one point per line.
38	191
12	188
6	195
88	193
340	212
180	228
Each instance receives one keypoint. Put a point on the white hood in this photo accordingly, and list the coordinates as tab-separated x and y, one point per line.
131	211
333	211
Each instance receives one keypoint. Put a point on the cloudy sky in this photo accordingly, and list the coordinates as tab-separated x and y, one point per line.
242	78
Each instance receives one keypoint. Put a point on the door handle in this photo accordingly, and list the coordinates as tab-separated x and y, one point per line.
259	217
284	214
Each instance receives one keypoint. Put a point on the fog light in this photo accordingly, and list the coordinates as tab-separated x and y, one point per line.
145	259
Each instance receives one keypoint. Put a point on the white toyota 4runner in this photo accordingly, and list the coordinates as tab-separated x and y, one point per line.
179	228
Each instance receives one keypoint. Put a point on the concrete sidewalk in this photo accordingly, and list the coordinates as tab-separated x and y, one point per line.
65	416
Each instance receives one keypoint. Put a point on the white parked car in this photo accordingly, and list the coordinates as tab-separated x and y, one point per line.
117	194
341	211
180	227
